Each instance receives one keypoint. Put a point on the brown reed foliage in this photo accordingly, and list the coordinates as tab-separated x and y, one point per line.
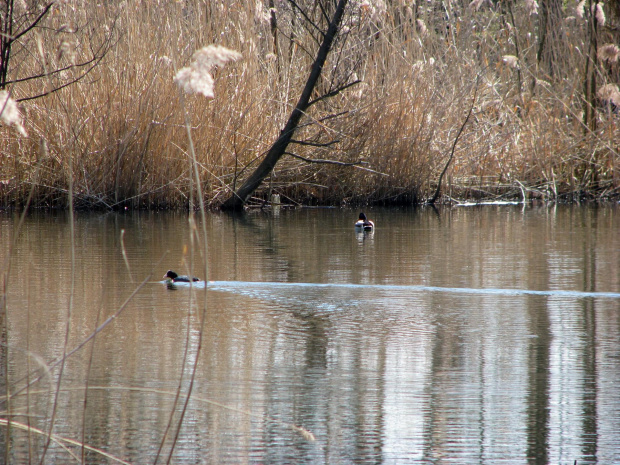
123	129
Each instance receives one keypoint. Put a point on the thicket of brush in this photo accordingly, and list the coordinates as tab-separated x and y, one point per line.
528	69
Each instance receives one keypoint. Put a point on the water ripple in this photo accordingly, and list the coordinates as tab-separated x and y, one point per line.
247	285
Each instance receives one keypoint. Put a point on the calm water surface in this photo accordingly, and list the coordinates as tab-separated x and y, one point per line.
466	336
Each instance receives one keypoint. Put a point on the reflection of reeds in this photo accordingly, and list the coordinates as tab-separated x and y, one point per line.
65	442
61	441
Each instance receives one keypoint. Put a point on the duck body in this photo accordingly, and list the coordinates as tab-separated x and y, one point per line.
175	278
364	223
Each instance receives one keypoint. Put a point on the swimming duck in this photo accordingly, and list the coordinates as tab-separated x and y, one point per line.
175	278
364	223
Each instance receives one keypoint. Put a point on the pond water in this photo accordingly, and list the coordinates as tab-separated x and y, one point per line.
477	335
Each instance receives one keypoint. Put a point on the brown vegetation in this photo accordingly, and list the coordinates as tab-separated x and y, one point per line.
540	125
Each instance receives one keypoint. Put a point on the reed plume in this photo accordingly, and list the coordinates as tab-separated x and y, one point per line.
198	77
609	93
9	112
609	52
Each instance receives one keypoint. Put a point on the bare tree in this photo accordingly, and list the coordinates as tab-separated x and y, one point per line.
19	39
435	196
327	35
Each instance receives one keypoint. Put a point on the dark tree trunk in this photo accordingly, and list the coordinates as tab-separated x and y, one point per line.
552	48
589	82
238	199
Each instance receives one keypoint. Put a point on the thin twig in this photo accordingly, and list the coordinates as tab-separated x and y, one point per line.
327	162
356	164
314	144
333	93
303	13
435	196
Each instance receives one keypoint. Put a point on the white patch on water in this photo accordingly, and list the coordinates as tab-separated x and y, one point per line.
251	288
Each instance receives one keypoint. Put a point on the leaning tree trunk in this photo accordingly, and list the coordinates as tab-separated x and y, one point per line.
237	200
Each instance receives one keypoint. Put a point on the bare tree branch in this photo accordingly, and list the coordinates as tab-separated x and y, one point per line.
323	119
51	73
327	162
56	89
292	38
278	149
435	196
334	92
323	12
34	23
356	164
97	55
314	144
309	21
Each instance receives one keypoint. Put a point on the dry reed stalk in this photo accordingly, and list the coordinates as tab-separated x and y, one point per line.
197	78
62	441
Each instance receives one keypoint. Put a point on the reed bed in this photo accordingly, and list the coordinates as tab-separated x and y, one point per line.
122	127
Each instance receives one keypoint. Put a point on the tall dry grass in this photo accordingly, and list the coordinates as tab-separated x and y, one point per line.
122	125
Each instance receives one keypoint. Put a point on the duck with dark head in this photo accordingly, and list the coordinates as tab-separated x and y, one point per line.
364	223
171	276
